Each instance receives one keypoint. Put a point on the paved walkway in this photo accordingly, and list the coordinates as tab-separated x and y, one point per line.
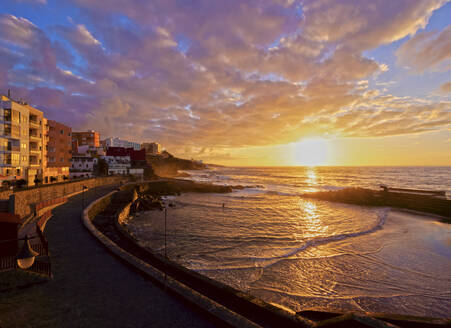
91	288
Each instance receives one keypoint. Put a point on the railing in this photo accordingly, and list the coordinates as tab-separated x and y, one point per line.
10	262
40	248
42	268
7	263
48	203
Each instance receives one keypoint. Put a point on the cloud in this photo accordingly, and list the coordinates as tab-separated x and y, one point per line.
17	30
223	74
445	88
39	2
427	51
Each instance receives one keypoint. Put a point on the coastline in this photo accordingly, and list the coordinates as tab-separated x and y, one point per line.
127	232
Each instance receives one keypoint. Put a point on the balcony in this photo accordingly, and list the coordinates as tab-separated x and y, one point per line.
12	148
35	135
33	160
34	124
33	119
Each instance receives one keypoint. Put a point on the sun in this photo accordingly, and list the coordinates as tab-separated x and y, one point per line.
311	152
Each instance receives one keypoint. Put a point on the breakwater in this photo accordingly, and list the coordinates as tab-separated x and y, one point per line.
404	200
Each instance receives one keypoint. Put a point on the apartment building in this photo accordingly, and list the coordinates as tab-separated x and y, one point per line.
82	166
37	161
21	141
58	151
90	138
117	142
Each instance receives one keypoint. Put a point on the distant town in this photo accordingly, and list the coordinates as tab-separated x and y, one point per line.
35	150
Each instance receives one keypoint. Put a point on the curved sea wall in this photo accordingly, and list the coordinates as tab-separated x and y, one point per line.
227	304
231	306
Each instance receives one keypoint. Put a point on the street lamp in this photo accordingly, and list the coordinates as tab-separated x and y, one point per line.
26	255
165	215
83	198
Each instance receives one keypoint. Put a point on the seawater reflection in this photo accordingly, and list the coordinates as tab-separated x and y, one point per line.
307	254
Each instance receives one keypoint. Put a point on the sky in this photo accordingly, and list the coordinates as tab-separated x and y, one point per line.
244	83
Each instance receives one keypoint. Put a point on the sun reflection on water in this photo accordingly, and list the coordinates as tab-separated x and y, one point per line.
311	178
313	225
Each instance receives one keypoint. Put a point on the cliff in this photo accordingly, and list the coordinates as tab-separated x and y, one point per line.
166	165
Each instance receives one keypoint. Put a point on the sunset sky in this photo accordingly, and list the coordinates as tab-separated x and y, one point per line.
253	82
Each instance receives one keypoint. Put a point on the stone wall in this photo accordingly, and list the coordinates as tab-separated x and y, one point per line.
23	202
5	194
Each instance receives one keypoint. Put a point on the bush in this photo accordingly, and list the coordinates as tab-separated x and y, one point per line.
21	183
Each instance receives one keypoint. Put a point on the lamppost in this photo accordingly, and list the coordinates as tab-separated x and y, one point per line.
26	255
83	198
165	216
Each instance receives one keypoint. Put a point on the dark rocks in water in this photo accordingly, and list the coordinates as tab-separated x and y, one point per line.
240	187
149	204
404	200
150	193
176	187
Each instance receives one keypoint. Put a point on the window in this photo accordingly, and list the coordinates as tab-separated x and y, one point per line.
61	159
62	131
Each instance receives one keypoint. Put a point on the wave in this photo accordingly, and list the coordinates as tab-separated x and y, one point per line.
382	215
266	262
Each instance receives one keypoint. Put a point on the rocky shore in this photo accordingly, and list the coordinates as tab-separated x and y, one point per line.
108	217
402	200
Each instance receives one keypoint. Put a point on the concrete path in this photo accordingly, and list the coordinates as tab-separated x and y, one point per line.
90	287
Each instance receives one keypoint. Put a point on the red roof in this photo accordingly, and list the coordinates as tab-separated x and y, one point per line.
135	155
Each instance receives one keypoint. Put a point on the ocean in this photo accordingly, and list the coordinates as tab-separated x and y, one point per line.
304	254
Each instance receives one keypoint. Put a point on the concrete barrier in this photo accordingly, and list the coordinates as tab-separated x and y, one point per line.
212	307
23	202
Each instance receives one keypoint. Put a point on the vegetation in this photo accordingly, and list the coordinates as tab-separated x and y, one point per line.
21	183
101	168
166	165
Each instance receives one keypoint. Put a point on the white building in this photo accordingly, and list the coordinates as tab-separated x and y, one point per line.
82	166
116	142
118	164
86	150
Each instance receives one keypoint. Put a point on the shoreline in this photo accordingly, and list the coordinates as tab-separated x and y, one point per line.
187	270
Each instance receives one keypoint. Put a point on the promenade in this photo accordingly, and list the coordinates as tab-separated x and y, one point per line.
90	287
